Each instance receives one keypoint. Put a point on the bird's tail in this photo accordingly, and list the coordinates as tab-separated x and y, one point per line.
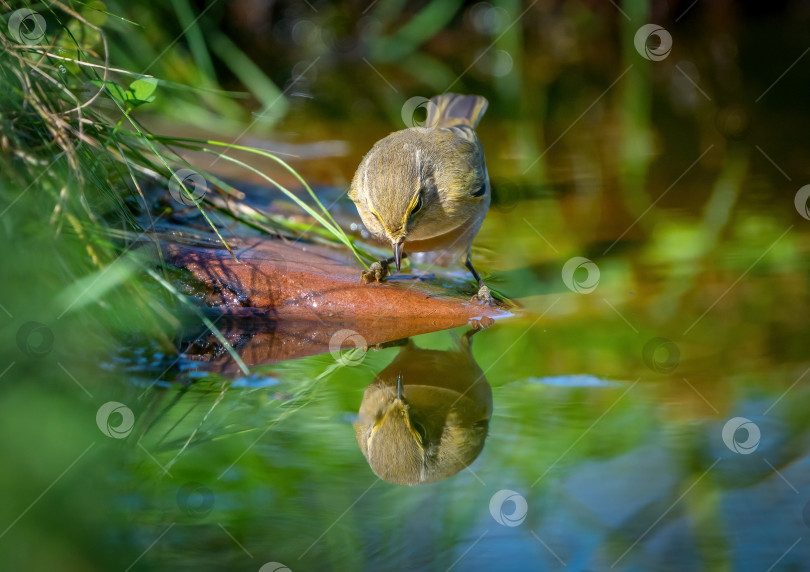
451	109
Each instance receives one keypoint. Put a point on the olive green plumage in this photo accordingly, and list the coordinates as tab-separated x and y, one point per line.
426	189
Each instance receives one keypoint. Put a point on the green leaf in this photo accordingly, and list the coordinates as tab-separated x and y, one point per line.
114	90
143	90
139	91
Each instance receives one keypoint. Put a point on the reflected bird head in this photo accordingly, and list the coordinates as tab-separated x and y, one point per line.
425	417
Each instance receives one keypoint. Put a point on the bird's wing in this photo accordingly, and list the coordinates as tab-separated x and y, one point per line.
470	146
464	131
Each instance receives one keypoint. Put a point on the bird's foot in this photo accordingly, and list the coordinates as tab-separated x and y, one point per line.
478	324
484	296
376	272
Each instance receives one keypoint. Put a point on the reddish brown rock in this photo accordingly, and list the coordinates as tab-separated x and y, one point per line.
298	296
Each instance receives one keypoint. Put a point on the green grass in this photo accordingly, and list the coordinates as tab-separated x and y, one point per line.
76	163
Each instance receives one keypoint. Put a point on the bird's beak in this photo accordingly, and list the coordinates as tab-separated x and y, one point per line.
400	389
398	253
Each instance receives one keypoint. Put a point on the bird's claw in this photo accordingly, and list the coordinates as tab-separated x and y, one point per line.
478	324
484	296
376	272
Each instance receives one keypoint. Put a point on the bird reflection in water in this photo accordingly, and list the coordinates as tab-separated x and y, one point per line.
425	416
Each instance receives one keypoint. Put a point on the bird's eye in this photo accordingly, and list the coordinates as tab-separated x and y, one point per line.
420	429
418	206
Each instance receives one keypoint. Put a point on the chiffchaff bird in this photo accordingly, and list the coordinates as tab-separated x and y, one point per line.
426	415
426	189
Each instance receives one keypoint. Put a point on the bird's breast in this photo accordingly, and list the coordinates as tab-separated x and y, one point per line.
456	240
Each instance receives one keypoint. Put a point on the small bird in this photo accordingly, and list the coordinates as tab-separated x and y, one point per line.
426	189
426	415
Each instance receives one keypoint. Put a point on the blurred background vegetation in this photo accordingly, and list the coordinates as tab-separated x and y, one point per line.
677	177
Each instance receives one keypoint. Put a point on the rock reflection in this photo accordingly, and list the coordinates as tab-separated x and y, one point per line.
426	415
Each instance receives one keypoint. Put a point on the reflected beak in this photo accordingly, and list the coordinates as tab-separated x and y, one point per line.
398	254
400	389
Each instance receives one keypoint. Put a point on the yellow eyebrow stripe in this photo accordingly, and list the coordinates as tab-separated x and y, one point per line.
414	200
373	211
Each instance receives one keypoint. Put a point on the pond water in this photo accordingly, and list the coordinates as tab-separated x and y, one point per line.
644	408
654	419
